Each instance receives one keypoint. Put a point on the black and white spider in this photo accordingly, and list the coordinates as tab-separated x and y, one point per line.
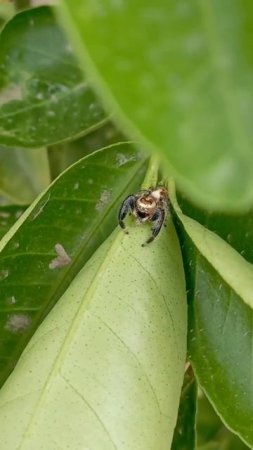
147	205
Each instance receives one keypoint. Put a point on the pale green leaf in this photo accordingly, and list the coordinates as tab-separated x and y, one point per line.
105	369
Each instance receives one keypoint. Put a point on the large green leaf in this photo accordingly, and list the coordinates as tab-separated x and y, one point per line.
180	75
44	97
220	286
24	173
77	213
105	369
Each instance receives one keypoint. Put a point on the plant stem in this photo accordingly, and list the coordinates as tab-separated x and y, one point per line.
151	177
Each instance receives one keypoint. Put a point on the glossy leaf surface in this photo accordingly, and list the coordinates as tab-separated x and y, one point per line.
179	74
105	368
44	97
77	212
220	323
24	174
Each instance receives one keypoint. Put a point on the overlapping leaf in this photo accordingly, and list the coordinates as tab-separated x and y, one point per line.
24	174
212	434
179	75
105	368
220	322
8	216
74	216
44	97
63	155
236	229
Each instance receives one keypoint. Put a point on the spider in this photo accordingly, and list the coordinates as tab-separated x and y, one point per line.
147	205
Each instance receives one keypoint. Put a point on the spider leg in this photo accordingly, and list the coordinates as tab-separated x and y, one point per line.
127	205
158	218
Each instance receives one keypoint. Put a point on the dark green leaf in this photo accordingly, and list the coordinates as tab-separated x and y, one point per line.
24	173
76	214
44	97
184	434
220	284
8	216
211	432
237	230
211	446
63	155
180	75
220	346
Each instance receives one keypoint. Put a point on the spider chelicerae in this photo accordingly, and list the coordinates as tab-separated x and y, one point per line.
147	205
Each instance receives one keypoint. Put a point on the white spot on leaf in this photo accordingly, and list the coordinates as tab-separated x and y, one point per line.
63	259
11	300
51	113
39	96
3	274
122	159
17	323
104	200
4	214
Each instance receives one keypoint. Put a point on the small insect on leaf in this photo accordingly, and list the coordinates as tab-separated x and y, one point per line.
148	205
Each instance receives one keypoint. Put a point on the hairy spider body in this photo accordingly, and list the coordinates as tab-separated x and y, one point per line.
148	205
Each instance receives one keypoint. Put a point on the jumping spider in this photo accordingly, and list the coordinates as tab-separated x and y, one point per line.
147	205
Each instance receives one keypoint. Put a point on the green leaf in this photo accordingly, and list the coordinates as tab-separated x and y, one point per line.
43	95
105	369
7	10
63	155
210	446
237	230
184	434
76	213
8	216
211	431
24	173
179	75
220	286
